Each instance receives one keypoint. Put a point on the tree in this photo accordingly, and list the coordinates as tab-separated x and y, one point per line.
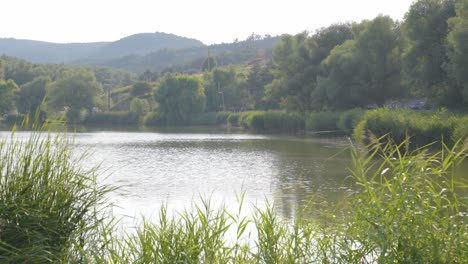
140	88
7	90
341	85
30	96
425	29
296	66
178	96
209	63
295	70
378	51
458	43
225	89
329	37
364	70
76	91
139	107
149	76
259	76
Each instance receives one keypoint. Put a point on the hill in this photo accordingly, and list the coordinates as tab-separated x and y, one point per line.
141	44
92	53
191	59
137	53
47	52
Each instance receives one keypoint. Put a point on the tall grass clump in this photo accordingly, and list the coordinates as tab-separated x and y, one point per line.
268	121
49	205
349	119
334	122
233	119
210	118
422	127
322	121
409	207
272	121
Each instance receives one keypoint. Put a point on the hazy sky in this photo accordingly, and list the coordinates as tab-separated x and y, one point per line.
211	21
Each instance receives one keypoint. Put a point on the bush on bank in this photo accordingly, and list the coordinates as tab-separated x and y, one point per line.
422	127
344	121
268	121
209	119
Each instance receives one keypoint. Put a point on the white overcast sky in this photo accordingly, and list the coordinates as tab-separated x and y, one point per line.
211	21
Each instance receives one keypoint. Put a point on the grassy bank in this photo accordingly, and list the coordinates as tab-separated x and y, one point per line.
290	122
409	209
268	121
422	127
339	122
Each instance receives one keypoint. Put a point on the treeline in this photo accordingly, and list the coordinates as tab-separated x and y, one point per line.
55	87
373	62
344	66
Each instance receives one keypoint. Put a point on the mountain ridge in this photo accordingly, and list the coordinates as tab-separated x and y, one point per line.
38	51
139	52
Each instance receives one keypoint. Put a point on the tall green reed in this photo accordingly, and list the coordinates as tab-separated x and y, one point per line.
49	205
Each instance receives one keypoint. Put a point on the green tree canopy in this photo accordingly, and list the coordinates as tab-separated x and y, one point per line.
178	96
140	88
76	91
458	42
259	76
7	90
30	96
296	66
209	63
425	29
139	107
365	70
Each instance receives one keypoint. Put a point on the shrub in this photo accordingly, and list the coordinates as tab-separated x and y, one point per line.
348	120
268	121
154	119
221	118
274	122
233	119
212	118
322	121
422	127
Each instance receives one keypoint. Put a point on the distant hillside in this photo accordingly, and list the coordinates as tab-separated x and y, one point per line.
190	60
92	53
47	52
139	52
141	44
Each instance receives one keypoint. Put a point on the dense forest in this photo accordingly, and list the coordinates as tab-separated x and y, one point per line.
364	64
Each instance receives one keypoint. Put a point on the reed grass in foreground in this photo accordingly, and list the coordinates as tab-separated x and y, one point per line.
49	206
407	208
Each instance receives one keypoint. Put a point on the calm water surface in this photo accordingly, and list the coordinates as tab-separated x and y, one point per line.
178	167
153	169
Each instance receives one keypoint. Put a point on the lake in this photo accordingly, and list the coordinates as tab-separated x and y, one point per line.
177	168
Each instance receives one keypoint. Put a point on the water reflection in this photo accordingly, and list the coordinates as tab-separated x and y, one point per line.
154	168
